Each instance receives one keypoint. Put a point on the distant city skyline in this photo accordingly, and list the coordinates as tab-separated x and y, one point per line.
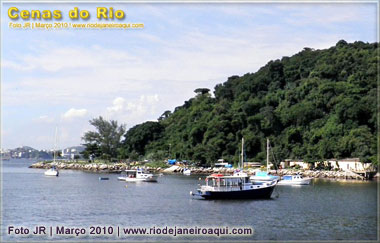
64	78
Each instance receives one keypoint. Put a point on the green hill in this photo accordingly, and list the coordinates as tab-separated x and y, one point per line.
317	104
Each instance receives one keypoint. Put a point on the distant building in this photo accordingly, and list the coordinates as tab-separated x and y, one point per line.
252	164
5	154
352	164
72	152
291	163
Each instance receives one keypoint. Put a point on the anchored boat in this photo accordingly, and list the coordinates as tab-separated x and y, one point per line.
186	171
263	176
294	180
138	175
234	187
53	171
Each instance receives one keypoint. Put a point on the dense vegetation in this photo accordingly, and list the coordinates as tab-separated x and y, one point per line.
315	105
105	142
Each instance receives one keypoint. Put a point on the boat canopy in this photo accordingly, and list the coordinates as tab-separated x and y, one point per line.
216	175
261	173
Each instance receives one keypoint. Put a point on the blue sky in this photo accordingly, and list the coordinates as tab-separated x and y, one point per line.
65	78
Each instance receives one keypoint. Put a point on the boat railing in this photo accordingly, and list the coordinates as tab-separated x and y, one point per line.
224	188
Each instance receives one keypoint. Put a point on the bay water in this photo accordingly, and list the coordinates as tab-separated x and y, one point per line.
324	210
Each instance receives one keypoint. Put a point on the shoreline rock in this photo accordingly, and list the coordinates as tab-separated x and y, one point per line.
119	167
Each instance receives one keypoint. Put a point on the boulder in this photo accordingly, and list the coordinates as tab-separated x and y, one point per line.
103	167
171	169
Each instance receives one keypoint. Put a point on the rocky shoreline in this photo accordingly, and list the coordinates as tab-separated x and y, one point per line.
281	172
119	167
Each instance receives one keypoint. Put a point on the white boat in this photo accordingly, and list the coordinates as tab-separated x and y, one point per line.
53	171
294	180
138	175
263	176
186	171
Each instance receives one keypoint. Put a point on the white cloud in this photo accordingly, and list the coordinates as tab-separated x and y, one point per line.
14	66
74	113
325	14
134	111
67	57
118	105
44	119
134	76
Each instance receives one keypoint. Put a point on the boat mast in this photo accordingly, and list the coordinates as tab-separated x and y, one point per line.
267	155
55	143
242	153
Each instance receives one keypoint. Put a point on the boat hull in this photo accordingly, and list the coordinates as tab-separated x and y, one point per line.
148	179
260	193
292	182
51	173
187	172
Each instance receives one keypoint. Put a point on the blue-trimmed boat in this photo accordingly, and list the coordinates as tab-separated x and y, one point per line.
263	176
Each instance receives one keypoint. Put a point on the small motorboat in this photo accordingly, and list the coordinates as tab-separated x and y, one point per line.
103	178
53	171
138	175
294	180
186	171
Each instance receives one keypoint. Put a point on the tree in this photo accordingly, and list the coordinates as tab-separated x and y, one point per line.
92	150
106	140
164	115
314	105
202	91
140	135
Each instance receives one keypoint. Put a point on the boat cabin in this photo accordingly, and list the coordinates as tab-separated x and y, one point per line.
139	173
134	173
220	182
291	177
131	173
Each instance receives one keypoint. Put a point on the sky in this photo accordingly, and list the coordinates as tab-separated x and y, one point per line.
64	78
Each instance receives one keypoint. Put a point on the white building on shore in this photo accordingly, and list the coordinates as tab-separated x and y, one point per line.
347	164
351	164
291	163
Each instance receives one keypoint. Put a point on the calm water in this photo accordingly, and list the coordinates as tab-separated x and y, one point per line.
326	210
